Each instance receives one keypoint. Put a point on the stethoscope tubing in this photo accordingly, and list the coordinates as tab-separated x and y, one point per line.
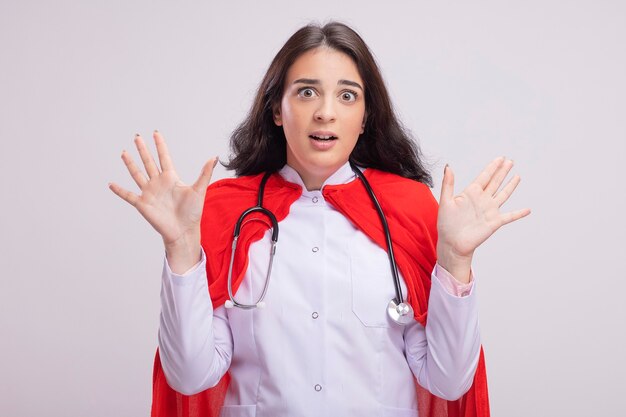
398	310
392	259
256	209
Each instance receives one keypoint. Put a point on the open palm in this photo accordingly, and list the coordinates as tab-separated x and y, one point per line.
466	220
173	208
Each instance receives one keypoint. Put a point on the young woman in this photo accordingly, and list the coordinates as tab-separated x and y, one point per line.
341	330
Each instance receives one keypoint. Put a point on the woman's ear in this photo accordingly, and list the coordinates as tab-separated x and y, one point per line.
363	124
278	120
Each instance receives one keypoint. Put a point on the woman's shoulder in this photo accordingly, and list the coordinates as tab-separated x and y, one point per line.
396	186
405	199
245	189
242	182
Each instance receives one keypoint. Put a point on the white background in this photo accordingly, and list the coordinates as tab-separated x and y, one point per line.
541	82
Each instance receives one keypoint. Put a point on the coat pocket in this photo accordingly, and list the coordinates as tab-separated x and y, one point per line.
372	289
238	411
399	412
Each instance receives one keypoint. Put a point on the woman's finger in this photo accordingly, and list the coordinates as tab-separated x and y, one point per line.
485	176
205	176
447	185
498	177
162	152
146	157
135	172
507	218
504	194
126	195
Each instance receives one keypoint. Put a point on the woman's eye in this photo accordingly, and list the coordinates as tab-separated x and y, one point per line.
306	92
349	95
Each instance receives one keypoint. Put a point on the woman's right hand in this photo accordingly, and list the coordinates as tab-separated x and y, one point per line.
171	207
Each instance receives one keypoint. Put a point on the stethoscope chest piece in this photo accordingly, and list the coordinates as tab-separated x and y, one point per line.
400	313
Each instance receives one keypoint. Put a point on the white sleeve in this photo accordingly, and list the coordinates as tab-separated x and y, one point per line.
444	355
195	343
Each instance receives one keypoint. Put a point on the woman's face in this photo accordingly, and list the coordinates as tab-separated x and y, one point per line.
322	113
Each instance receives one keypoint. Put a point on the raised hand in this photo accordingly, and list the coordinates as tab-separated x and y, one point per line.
172	208
466	220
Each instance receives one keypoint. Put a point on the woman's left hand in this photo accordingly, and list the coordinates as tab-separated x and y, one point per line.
466	220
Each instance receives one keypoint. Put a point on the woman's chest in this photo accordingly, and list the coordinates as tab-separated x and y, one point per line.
323	268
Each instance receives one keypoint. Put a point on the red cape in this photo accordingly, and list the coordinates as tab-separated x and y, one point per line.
411	212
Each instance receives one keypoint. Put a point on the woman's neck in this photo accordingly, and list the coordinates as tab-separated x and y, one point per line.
314	179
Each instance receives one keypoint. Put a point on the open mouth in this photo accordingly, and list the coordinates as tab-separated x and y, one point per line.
322	138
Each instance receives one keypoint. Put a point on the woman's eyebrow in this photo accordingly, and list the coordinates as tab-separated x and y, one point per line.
352	83
315	82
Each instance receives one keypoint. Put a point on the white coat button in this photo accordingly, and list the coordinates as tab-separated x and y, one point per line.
315	199
315	249
318	387
315	315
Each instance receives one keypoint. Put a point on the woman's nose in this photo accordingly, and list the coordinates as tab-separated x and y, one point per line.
326	111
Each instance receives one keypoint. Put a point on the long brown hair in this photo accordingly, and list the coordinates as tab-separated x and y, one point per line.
259	145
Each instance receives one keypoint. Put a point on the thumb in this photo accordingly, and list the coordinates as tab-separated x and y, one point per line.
205	176
447	185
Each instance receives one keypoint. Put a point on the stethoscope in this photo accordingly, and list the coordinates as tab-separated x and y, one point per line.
398	310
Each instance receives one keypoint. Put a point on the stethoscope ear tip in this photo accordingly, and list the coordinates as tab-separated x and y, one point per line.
229	304
260	304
